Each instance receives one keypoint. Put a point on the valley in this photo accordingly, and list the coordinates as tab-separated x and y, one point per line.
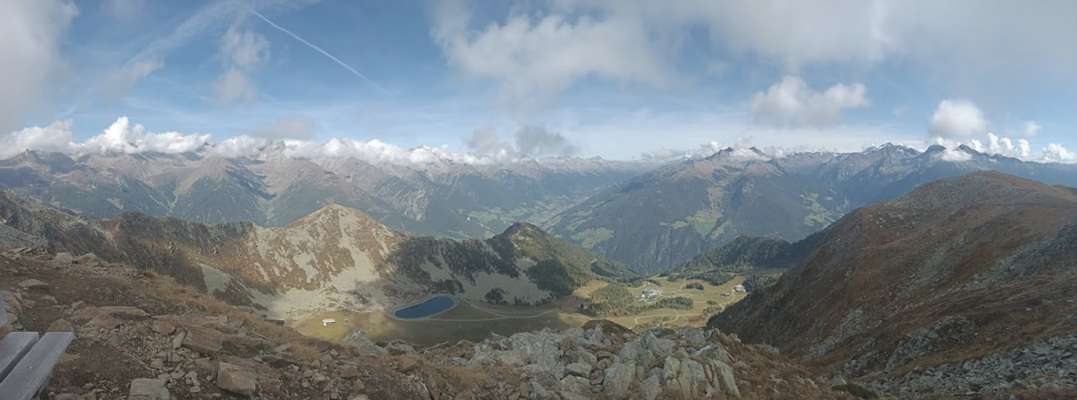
475	321
972	262
538	200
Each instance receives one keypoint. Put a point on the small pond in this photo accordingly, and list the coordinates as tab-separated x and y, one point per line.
432	306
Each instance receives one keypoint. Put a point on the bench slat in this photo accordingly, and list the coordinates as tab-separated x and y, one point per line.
32	371
13	347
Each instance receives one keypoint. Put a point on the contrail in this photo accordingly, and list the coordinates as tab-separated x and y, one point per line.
320	50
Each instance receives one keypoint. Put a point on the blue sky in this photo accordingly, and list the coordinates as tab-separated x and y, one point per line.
586	77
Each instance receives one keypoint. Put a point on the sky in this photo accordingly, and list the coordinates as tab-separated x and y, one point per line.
490	80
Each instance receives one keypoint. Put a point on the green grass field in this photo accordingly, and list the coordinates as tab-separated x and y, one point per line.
476	321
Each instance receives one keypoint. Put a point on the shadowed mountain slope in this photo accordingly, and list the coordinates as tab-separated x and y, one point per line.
976	269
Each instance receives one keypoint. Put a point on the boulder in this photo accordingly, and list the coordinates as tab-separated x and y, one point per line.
365	346
203	340
650	388
397	348
34	284
575	385
578	369
235	379
618	380
164	327
724	372
148	389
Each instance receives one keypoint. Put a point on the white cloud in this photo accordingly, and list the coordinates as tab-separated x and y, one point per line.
1032	128
532	59
535	141
1058	153
792	103
241	51
1006	147
30	33
54	137
530	141
124	137
240	146
244	49
957	117
235	87
117	83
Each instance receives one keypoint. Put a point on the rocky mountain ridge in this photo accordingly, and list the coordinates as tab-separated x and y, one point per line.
336	258
963	285
142	335
666	217
445	198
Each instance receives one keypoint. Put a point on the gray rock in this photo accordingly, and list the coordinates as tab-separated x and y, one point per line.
236	379
366	346
725	373
651	387
618	380
148	389
574	384
578	369
33	284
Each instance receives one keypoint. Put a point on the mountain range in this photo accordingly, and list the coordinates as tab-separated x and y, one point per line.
443	198
336	258
650	216
964	285
667	216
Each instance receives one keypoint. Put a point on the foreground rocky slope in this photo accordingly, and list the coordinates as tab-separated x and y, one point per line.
964	285
143	335
336	258
668	216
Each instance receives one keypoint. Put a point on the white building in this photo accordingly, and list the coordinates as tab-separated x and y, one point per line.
328	321
740	289
650	294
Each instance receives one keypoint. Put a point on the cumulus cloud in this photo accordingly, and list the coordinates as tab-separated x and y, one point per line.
996	145
54	137
792	103
240	146
1006	146
241	51
486	142
1058	153
530	141
124	137
957	117
539	141
532	59
30	33
121	136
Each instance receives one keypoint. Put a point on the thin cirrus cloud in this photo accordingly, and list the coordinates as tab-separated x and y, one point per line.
242	51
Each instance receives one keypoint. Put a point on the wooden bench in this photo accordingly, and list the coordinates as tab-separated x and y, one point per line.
27	359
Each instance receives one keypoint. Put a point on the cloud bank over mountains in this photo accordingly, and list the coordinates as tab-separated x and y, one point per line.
483	147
